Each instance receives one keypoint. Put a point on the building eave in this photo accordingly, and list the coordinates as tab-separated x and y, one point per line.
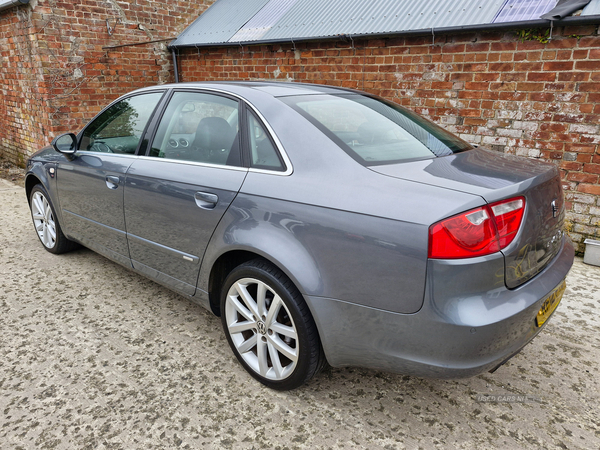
540	23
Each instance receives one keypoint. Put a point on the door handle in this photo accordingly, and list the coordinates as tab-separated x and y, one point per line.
112	182
206	200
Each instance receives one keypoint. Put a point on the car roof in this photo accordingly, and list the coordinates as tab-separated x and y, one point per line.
272	88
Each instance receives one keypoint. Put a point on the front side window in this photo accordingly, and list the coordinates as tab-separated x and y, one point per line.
199	127
374	131
120	128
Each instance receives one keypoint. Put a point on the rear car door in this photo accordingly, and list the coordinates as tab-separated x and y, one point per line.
90	184
176	195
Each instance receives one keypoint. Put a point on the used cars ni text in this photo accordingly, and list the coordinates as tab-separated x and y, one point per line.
321	224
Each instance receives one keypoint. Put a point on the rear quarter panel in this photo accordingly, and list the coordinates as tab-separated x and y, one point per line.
355	257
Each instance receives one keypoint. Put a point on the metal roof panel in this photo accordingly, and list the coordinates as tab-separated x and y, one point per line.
247	21
592	9
315	18
219	22
263	21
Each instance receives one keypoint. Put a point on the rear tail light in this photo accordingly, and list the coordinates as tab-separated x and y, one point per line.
477	232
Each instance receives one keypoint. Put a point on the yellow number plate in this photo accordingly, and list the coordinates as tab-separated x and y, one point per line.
550	304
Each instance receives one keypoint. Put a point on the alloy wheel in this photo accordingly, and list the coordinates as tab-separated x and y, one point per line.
261	329
43	219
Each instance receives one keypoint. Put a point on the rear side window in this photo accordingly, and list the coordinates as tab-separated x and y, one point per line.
374	131
199	127
263	154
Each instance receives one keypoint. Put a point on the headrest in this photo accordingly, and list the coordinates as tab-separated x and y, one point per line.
214	133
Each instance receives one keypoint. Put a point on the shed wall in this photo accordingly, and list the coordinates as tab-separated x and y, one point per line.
55	74
512	94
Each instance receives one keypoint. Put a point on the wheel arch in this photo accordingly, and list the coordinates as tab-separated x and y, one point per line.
30	181
222	267
37	174
212	280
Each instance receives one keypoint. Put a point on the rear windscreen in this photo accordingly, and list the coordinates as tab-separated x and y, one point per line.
374	131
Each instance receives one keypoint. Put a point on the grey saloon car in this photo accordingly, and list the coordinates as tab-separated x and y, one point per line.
321	224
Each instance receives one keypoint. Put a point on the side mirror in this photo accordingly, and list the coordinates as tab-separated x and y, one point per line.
65	143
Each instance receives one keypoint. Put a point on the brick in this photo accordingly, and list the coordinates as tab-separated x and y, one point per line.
477	86
486	76
558	66
470	112
503	86
454	48
541	97
503	46
562	43
550	126
460	76
583	198
579	30
582	177
541	76
593	42
571	165
530	87
579	128
588	87
580	148
579	228
501	67
594	53
584	158
478	47
587	65
591	168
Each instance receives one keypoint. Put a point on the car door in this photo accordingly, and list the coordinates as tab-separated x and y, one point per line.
90	184
176	195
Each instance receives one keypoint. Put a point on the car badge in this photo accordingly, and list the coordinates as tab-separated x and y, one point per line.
554	208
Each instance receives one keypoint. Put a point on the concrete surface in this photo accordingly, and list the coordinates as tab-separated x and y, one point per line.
95	356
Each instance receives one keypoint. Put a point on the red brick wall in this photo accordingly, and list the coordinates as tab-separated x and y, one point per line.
55	73
540	100
21	97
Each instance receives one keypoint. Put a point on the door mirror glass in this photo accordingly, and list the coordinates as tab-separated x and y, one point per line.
65	143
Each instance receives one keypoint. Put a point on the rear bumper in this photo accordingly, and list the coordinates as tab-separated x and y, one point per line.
460	331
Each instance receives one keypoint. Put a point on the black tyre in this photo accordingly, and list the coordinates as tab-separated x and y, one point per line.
45	222
269	326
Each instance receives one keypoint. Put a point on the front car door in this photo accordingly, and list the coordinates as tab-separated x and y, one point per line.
176	195
90	184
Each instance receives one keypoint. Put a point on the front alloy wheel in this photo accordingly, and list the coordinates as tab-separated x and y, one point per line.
45	222
43	219
269	327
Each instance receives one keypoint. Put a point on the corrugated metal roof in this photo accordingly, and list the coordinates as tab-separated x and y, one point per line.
263	21
219	22
247	21
592	9
353	17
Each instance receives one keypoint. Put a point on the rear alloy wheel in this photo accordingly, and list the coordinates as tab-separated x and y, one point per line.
269	326
45	222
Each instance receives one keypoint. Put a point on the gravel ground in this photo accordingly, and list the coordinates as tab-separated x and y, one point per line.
10	172
95	356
